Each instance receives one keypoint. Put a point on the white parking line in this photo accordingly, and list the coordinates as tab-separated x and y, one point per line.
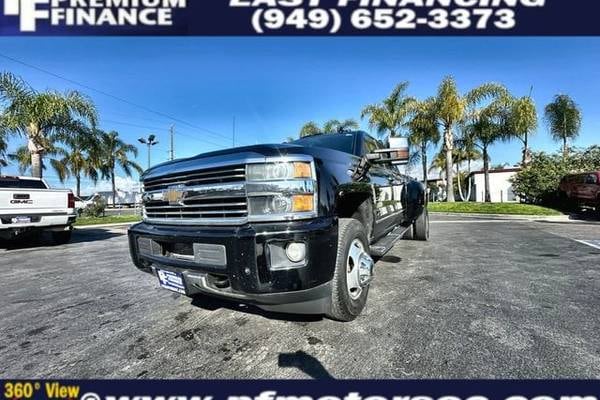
592	243
479	221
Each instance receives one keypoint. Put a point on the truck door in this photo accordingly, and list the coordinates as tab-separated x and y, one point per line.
579	187
589	189
387	192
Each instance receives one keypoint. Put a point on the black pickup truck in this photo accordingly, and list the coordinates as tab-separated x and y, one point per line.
290	228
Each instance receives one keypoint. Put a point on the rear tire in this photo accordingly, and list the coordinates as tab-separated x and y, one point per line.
63	237
422	226
345	304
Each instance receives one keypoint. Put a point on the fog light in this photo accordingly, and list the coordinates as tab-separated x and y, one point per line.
296	252
281	205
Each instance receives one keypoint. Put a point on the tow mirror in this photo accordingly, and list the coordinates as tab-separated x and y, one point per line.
398	152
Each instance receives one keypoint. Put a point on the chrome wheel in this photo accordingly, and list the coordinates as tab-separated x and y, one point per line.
359	269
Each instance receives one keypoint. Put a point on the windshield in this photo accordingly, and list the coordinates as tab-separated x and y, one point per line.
340	142
8	183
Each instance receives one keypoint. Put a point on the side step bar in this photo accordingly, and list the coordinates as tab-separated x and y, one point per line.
385	244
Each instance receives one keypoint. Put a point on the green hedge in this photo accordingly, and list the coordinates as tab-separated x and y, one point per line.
116	219
492	208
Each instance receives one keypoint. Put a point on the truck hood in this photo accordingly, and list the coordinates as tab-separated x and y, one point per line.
220	158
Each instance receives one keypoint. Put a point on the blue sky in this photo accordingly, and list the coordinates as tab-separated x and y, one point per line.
273	85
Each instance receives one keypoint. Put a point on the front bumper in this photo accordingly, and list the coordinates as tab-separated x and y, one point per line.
247	272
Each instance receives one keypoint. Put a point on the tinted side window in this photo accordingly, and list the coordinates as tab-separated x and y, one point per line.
340	142
21	184
591	179
370	145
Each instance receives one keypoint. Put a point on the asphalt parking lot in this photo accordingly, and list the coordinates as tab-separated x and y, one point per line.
482	299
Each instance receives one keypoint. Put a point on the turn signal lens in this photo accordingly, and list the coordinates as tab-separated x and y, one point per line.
303	203
302	170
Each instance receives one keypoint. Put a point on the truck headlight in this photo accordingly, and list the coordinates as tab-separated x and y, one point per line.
279	171
281	191
281	204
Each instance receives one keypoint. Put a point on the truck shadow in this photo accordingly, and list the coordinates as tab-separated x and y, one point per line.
390	259
33	241
212	304
306	363
93	235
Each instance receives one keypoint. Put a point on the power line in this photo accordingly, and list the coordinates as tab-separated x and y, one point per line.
142	107
154	128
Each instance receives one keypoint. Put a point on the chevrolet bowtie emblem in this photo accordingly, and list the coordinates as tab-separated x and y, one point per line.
174	195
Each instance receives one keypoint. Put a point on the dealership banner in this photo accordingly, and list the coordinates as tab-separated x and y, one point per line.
299	17
302	390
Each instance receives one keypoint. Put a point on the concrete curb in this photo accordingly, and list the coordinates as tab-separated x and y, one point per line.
557	219
504	216
123	224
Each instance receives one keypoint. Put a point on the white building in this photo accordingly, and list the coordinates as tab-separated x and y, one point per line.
123	198
501	189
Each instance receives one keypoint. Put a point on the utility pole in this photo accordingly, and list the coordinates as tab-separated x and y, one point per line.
172	151
234	131
150	141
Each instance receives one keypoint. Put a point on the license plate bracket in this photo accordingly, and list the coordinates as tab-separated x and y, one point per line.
172	281
21	220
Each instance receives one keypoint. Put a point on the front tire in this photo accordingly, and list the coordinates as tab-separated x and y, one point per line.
421	226
348	293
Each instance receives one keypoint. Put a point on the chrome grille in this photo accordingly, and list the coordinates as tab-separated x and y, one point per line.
204	177
216	195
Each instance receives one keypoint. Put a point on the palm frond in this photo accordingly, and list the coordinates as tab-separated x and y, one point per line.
523	116
61	168
310	129
331	126
485	92
422	125
449	103
82	106
389	117
23	159
564	118
13	88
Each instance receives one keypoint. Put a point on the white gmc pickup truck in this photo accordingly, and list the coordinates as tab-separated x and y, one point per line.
29	205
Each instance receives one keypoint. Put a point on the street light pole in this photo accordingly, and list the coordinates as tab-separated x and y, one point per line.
172	151
150	141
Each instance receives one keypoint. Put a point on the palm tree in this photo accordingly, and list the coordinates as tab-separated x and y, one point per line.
310	129
82	158
335	126
523	122
22	157
3	149
451	108
115	153
424	130
563	117
42	117
465	151
389	117
487	125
